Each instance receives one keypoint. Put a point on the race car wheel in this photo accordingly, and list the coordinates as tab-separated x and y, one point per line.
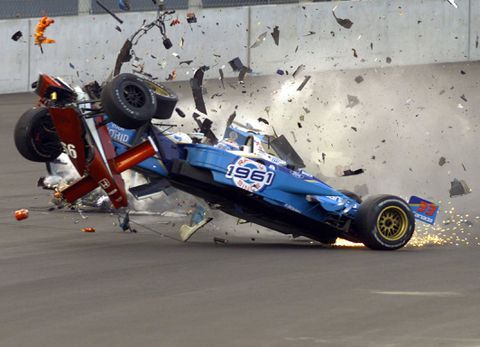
384	222
35	136
166	99
128	101
351	195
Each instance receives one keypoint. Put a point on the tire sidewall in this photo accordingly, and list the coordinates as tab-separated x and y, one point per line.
367	223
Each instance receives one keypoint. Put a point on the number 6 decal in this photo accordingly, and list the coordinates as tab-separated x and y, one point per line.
70	150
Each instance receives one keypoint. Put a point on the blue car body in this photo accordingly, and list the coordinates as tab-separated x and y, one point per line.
251	185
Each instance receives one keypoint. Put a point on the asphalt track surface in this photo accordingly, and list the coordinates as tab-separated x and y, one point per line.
62	287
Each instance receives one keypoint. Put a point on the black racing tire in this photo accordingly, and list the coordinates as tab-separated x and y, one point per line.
384	222
128	101
351	195
35	136
166	99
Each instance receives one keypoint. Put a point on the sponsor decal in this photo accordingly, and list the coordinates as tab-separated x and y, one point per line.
249	175
423	210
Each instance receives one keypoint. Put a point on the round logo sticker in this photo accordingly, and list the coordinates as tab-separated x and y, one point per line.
249	175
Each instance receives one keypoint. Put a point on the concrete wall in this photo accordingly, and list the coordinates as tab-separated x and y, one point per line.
406	31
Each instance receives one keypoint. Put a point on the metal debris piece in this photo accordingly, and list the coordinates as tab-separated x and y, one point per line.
260	39
71	65
346	23
118	29
442	161
196	84
172	76
299	125
124	5
276	35
452	2
109	12
280	72
191	18
180	112
263	120
459	187
298	70
21	214
88	230
464	98
187	62
304	83
222	77
242	74
124	56
352	101
354	129
310	33
359	79
464	168
353	173
236	64
174	22
17	36
388	60
354	52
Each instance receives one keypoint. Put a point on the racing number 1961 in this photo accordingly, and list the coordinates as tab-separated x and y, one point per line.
247	173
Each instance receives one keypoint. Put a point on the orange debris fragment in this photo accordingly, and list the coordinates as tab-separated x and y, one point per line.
88	230
21	214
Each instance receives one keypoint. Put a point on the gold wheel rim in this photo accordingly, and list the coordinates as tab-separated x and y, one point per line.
158	89
392	223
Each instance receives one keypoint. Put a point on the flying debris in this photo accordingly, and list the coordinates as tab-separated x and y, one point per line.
191	18
352	101
88	230
353	173
124	56
17	36
452	2
355	55
180	112
310	33
280	72
21	214
459	187
442	161
359	79
237	65
186	62
174	22
109	12
276	35
388	60
124	5
260	39
304	83
172	76
299	70
222	77
346	23
263	120
196	84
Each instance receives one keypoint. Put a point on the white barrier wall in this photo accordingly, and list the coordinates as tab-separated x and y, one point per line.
406	31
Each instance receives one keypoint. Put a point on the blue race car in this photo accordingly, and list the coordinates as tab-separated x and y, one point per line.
247	174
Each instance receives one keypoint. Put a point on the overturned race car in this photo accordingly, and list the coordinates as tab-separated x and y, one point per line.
247	174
